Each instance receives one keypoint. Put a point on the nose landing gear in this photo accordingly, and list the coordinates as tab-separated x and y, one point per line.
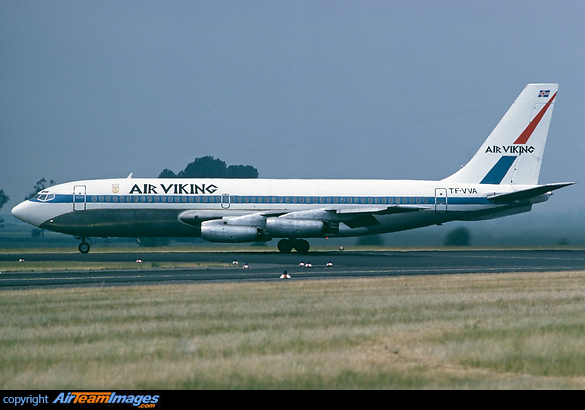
84	246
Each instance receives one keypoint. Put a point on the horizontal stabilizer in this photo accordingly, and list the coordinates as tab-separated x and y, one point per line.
527	193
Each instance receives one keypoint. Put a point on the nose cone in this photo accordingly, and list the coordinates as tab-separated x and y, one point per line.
22	211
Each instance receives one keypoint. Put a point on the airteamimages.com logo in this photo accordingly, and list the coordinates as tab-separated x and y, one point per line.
138	400
82	398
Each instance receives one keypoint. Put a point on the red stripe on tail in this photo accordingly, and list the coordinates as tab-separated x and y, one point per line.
523	138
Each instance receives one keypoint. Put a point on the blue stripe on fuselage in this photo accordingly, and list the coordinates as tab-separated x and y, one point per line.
264	199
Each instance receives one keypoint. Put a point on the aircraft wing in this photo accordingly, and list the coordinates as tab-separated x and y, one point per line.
365	216
354	217
527	193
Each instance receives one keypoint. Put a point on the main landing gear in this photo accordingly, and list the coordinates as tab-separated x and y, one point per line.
84	246
287	245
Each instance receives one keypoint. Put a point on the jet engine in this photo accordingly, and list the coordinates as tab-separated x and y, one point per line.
298	228
213	231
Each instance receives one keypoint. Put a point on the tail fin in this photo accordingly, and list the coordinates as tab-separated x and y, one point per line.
512	154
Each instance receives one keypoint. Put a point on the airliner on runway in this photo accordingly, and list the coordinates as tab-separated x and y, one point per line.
500	180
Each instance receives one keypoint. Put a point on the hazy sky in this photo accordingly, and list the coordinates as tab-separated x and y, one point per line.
297	89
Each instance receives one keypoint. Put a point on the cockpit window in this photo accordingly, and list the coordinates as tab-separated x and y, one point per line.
44	196
39	194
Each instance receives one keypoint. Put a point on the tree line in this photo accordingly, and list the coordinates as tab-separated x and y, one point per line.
201	167
3	199
209	167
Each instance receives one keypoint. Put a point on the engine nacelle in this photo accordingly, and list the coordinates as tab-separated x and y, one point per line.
295	228
219	232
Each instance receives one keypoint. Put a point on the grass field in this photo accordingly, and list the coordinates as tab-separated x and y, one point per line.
497	331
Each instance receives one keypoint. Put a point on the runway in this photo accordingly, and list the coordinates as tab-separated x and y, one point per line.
266	266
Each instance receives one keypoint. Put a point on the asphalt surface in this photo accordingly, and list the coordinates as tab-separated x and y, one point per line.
264	266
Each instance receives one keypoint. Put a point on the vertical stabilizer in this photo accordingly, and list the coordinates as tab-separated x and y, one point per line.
512	154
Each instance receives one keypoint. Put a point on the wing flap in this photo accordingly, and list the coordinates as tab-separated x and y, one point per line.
377	210
366	216
361	221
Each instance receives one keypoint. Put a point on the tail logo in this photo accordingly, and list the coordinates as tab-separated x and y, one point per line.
501	168
510	149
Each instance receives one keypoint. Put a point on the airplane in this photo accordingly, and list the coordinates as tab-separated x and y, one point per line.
501	179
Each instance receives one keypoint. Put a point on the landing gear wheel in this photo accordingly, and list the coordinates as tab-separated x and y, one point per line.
284	246
84	247
302	246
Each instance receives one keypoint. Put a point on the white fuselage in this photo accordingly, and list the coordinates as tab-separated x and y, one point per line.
152	207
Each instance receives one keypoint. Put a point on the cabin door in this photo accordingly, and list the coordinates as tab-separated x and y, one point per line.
225	201
440	200
79	200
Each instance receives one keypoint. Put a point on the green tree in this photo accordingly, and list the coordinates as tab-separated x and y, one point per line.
209	167
40	185
458	237
3	199
204	167
153	242
370	240
241	171
167	173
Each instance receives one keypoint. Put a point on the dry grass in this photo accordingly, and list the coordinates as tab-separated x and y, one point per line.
499	331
